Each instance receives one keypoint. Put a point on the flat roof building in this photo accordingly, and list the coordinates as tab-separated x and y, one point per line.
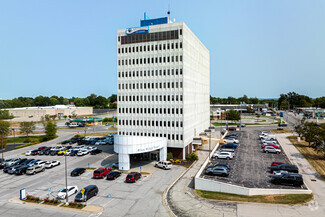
163	88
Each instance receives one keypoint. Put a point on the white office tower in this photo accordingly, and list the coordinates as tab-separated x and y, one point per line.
163	88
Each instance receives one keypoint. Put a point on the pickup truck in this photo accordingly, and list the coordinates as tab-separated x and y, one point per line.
101	172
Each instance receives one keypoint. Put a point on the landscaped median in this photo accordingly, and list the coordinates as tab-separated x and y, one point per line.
56	204
32	140
290	199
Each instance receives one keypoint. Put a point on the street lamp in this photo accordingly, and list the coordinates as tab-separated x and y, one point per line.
66	180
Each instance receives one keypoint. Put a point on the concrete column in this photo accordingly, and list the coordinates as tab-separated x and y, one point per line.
124	161
163	154
184	154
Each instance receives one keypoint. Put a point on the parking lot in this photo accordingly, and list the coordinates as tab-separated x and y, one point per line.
250	166
116	197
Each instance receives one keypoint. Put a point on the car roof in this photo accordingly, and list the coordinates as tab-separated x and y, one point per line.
89	187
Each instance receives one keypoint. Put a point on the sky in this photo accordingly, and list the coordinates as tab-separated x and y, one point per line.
68	48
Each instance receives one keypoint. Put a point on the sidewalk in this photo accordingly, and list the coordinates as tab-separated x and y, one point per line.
183	202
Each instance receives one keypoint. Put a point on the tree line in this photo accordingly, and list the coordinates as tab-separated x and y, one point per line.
312	133
92	100
290	100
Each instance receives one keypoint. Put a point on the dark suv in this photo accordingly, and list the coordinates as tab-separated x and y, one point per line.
133	177
288	178
287	167
86	193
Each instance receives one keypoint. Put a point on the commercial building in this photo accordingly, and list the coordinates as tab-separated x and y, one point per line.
163	82
35	113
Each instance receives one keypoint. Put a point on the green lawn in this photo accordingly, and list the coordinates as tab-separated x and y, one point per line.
25	139
290	199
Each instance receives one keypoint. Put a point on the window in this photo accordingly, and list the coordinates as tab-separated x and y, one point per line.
119	62
119	38
180	45
180	58
119	50
164	46
176	58
180	32
172	45
176	45
167	46
180	71
160	47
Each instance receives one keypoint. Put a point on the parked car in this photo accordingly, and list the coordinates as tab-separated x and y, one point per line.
220	164
115	165
34	152
82	152
222	155
12	169
74	152
28	153
38	163
132	177
62	194
231	140
270	149
288	178
282	125
288	167
280	172
276	163
95	151
101	172
241	125
272	145
86	193
220	171
65	142
229	145
42	147
54	152
57	148
232	151
113	175
164	164
10	162
42	152
232	128
78	171
34	169
21	170
52	163
62	151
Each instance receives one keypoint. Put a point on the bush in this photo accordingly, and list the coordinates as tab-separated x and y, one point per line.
192	157
170	156
171	160
178	161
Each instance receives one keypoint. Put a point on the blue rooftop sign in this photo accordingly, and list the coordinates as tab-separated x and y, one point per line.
157	21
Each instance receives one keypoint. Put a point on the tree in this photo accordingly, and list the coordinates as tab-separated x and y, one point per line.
284	105
27	127
310	132
233	115
300	126
4	130
50	130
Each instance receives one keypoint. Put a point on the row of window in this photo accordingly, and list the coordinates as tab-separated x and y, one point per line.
144	123
168	136
147	37
152	47
153	85
160	98
163	72
150	111
153	60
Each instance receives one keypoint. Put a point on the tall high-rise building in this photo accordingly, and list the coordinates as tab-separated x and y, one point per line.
163	88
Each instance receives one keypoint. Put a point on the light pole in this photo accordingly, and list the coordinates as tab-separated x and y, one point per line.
14	136
66	180
2	146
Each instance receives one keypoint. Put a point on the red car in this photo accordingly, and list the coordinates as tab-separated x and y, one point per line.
101	172
42	147
276	163
132	177
273	145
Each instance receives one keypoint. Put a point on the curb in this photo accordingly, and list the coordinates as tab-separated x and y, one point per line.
164	199
91	208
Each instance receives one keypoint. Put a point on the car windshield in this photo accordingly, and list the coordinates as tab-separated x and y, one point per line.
99	171
63	190
129	176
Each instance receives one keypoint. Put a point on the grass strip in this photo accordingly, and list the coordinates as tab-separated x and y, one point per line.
289	199
314	158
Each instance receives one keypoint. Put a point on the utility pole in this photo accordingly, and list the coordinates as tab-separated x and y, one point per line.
2	146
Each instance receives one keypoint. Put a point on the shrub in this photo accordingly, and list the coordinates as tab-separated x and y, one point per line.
178	161
171	160
170	156
192	157
46	199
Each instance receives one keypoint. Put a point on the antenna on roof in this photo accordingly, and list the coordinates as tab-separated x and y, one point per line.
168	13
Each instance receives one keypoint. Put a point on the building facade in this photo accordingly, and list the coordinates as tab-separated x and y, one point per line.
163	88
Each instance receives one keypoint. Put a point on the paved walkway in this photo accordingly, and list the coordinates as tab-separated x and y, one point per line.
183	202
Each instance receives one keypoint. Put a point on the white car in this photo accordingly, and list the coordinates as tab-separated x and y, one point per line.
100	143
82	152
28	153
90	148
164	164
231	140
67	153
39	163
270	149
50	164
63	193
57	148
232	151
223	155
280	172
